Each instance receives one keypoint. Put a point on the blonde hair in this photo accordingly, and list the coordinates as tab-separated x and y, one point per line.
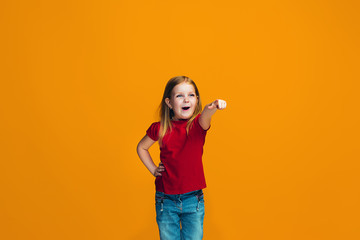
166	113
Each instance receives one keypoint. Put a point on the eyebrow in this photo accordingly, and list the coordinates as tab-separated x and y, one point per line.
182	93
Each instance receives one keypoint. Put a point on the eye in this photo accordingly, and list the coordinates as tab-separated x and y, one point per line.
179	95
192	95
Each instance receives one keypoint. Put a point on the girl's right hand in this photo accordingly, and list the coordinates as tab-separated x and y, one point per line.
159	169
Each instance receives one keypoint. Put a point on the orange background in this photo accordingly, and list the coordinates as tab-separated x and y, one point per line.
81	81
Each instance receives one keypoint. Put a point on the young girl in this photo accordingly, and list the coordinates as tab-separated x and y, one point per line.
180	176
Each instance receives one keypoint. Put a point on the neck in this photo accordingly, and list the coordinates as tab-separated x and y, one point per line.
178	119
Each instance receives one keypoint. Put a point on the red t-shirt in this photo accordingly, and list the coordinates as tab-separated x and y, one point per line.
181	156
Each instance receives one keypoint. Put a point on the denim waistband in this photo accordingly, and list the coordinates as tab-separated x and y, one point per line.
183	196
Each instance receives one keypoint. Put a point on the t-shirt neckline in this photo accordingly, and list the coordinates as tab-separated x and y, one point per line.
180	121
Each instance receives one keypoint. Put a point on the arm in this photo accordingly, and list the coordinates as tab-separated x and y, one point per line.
142	150
209	110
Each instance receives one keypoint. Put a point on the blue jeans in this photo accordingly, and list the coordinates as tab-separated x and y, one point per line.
187	209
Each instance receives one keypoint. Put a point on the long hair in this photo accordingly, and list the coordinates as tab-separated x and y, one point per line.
166	113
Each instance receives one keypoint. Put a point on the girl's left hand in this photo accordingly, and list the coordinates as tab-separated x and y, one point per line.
218	103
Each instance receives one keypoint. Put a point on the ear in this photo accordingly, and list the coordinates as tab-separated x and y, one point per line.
167	101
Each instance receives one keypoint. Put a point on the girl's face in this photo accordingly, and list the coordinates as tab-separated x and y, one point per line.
183	101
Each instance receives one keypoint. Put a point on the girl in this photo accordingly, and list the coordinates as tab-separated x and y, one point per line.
180	176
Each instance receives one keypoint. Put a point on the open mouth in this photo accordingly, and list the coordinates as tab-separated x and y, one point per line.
185	108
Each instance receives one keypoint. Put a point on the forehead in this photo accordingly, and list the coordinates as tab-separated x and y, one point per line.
183	87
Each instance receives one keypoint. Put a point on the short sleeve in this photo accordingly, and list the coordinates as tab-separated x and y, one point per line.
196	122
153	131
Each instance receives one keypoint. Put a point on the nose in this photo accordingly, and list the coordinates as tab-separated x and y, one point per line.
186	99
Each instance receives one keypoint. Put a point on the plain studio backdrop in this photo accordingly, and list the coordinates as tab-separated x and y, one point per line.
81	82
